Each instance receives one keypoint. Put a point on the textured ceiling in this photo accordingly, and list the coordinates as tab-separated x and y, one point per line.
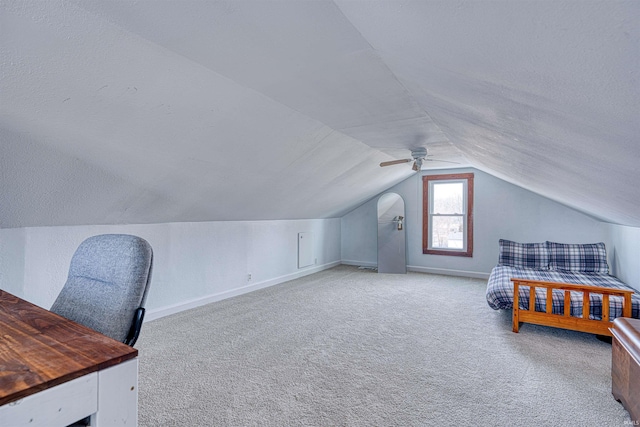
163	111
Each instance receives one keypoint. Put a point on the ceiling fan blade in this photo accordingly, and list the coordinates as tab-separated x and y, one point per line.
394	162
443	161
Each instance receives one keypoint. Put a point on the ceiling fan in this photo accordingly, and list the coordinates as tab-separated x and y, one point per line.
418	155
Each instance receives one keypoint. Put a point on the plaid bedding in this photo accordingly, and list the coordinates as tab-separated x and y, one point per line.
500	291
583	258
524	255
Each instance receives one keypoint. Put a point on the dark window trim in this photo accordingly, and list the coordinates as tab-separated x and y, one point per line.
425	214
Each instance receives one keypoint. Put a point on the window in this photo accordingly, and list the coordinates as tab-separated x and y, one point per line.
447	222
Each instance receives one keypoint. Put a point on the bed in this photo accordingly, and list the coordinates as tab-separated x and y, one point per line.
570	284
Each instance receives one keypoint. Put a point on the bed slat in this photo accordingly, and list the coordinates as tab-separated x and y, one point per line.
532	298
586	304
605	307
567	303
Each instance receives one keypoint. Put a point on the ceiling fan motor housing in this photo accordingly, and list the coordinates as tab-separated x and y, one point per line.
419	153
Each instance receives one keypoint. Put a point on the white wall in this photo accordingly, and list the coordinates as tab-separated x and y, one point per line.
194	263
12	260
624	253
501	211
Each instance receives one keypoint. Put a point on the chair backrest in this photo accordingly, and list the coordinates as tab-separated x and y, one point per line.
107	285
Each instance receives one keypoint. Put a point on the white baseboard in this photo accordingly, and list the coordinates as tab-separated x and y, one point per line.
157	313
419	269
359	263
447	272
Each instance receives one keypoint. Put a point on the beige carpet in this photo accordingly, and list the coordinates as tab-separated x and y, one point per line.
350	347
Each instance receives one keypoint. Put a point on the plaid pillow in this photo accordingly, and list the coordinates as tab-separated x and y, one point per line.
523	255
584	258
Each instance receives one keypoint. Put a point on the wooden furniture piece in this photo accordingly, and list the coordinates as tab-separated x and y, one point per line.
565	320
625	365
54	372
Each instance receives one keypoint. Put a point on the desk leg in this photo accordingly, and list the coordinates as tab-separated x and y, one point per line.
117	396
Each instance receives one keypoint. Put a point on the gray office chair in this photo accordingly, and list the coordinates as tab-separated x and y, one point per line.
107	285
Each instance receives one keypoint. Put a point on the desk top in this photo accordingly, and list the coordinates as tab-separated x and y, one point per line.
40	349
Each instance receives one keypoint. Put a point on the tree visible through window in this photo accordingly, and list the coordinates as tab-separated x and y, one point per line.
448	214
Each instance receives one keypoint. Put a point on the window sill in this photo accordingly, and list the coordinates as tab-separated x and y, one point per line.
445	252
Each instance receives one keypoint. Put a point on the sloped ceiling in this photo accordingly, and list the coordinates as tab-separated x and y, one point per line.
161	111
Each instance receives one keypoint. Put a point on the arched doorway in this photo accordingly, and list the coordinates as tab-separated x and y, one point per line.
391	234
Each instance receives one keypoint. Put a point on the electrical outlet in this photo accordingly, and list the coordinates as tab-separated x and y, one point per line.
249	277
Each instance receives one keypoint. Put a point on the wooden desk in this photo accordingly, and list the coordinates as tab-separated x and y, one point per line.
54	372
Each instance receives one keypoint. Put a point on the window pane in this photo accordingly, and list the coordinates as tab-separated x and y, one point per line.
447	232
447	198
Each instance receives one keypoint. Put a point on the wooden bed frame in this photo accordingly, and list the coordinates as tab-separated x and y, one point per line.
565	320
